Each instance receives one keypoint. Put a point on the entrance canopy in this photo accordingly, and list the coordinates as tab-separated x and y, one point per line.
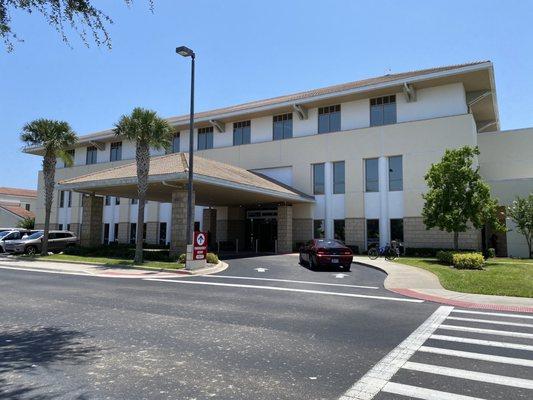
215	183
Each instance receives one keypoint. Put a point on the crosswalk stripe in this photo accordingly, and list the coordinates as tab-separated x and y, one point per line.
489	321
486	331
490	343
470	375
477	356
493	314
283	289
415	392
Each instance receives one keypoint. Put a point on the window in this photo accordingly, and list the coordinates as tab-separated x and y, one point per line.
115	233
162	233
338	228
372	232
61	198
282	128
68	227
108	200
318	178
133	232
176	143
395	173
205	138
115	153
27	206
396	229
59	228
371	175
383	110
338	177
134	201
106	233
329	119
319	231
71	153
196	226
117	201
241	133
91	157
69	201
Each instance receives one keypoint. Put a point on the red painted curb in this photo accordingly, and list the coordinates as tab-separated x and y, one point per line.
459	303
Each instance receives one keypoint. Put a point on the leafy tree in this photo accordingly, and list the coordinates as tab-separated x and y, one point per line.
521	213
27	223
147	130
458	195
81	15
55	137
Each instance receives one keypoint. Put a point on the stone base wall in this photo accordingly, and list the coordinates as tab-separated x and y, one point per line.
91	229
354	231
284	229
124	232
222	230
416	235
75	229
152	232
302	230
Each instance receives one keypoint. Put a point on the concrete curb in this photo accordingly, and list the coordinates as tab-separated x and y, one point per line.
424	285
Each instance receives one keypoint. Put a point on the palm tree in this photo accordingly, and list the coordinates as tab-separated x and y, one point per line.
147	130
55	137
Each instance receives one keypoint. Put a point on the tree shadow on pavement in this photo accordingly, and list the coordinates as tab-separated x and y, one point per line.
21	351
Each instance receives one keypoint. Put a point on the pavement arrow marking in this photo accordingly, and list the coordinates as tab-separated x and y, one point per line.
340	276
261	269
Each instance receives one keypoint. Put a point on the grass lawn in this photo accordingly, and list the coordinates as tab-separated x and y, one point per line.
109	262
500	276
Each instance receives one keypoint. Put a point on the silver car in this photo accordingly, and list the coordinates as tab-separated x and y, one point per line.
12	234
57	242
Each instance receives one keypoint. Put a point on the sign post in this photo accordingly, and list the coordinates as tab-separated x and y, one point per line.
197	258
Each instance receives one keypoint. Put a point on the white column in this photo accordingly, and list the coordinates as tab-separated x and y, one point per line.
328	200
383	168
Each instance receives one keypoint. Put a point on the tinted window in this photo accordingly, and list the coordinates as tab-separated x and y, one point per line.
61	198
91	157
318	178
371	175
162	233
116	151
282	128
319	229
205	138
395	173
35	235
241	133
338	177
396	229
176	143
372	232
338	227
383	110
52	235
329	119
329	243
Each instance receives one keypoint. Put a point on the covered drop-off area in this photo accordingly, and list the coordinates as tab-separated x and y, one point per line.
246	196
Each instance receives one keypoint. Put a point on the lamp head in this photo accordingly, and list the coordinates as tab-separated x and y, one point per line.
184	51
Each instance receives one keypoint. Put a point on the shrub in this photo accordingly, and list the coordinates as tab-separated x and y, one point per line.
182	258
445	257
468	261
212	258
491	252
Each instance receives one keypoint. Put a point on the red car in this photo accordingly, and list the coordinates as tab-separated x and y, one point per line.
326	252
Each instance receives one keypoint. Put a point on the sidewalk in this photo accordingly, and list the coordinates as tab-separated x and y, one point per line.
422	284
88	269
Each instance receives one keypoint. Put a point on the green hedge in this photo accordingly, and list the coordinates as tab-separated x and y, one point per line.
491	252
468	261
445	257
122	251
211	258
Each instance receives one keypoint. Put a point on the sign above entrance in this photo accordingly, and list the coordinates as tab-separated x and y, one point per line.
200	246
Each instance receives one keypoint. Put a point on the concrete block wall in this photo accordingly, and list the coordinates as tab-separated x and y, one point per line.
416	235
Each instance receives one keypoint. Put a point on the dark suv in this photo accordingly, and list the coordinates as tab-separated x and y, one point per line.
57	242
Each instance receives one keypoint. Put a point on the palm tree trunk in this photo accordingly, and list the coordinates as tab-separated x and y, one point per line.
49	170
456	240
143	168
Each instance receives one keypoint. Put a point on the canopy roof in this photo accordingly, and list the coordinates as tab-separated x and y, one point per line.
215	183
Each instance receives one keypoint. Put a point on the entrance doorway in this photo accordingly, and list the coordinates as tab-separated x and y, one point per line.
261	230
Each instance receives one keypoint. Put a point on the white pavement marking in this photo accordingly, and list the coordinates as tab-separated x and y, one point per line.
288	281
493	314
375	379
261	269
491	343
415	392
470	375
490	321
477	356
286	289
486	331
340	276
47	271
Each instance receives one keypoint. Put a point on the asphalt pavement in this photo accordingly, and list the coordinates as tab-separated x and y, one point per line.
265	328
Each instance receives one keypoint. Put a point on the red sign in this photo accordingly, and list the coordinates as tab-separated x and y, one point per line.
200	246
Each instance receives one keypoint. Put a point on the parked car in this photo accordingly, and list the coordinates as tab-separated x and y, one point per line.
57	242
12	234
326	253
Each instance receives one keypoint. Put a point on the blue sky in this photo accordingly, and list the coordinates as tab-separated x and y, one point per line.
248	50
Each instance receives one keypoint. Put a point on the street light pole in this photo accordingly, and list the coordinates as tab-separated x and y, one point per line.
186	52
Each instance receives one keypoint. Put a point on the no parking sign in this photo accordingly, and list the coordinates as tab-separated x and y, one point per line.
200	246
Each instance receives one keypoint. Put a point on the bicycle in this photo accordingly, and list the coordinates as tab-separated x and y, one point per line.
390	252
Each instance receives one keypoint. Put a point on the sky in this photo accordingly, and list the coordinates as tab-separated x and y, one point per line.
247	50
